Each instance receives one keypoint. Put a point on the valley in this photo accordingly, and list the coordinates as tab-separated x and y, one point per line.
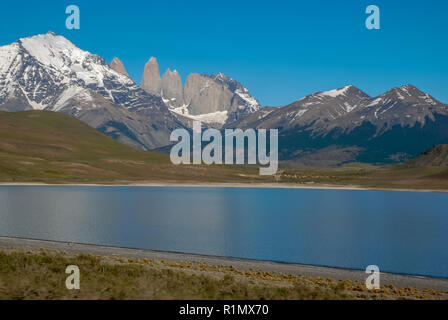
53	148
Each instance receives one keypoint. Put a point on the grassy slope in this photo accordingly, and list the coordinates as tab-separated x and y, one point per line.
37	146
41	275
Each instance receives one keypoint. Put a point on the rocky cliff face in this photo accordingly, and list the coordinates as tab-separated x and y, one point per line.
151	81
172	91
216	99
212	99
204	95
118	66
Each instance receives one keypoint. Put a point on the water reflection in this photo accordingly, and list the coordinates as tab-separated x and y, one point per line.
400	232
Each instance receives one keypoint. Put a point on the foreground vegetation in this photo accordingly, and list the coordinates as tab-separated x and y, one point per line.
41	275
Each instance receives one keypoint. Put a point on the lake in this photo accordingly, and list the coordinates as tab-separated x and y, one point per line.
401	232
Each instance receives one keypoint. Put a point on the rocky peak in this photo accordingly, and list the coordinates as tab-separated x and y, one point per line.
194	84
344	93
151	81
203	95
46	68
228	82
207	94
48	72
315	111
118	66
408	94
172	91
404	106
218	96
331	104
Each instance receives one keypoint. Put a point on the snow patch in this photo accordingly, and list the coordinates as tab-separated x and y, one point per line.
70	93
251	101
336	92
219	117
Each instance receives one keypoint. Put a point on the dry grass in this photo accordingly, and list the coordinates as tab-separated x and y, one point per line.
41	275
361	175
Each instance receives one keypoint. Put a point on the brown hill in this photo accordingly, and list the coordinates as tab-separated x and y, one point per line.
436	156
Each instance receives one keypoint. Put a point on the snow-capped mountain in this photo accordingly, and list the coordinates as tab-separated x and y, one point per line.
48	72
406	106
246	103
213	99
394	126
318	109
349	107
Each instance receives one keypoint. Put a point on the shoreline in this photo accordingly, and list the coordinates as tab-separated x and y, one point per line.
254	185
398	280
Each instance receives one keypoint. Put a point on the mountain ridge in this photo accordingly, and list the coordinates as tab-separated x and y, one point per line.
214	99
48	72
392	127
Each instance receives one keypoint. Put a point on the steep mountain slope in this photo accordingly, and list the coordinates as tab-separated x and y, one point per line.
406	106
172	90
151	81
118	66
346	125
216	99
48	72
132	128
315	111
212	99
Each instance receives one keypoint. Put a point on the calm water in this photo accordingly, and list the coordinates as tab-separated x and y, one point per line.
400	232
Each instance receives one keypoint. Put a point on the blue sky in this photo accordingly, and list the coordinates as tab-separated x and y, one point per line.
280	50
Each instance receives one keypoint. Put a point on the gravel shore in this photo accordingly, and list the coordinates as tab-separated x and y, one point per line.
398	280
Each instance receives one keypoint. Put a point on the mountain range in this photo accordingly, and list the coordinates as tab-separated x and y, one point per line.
213	99
346	125
48	72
